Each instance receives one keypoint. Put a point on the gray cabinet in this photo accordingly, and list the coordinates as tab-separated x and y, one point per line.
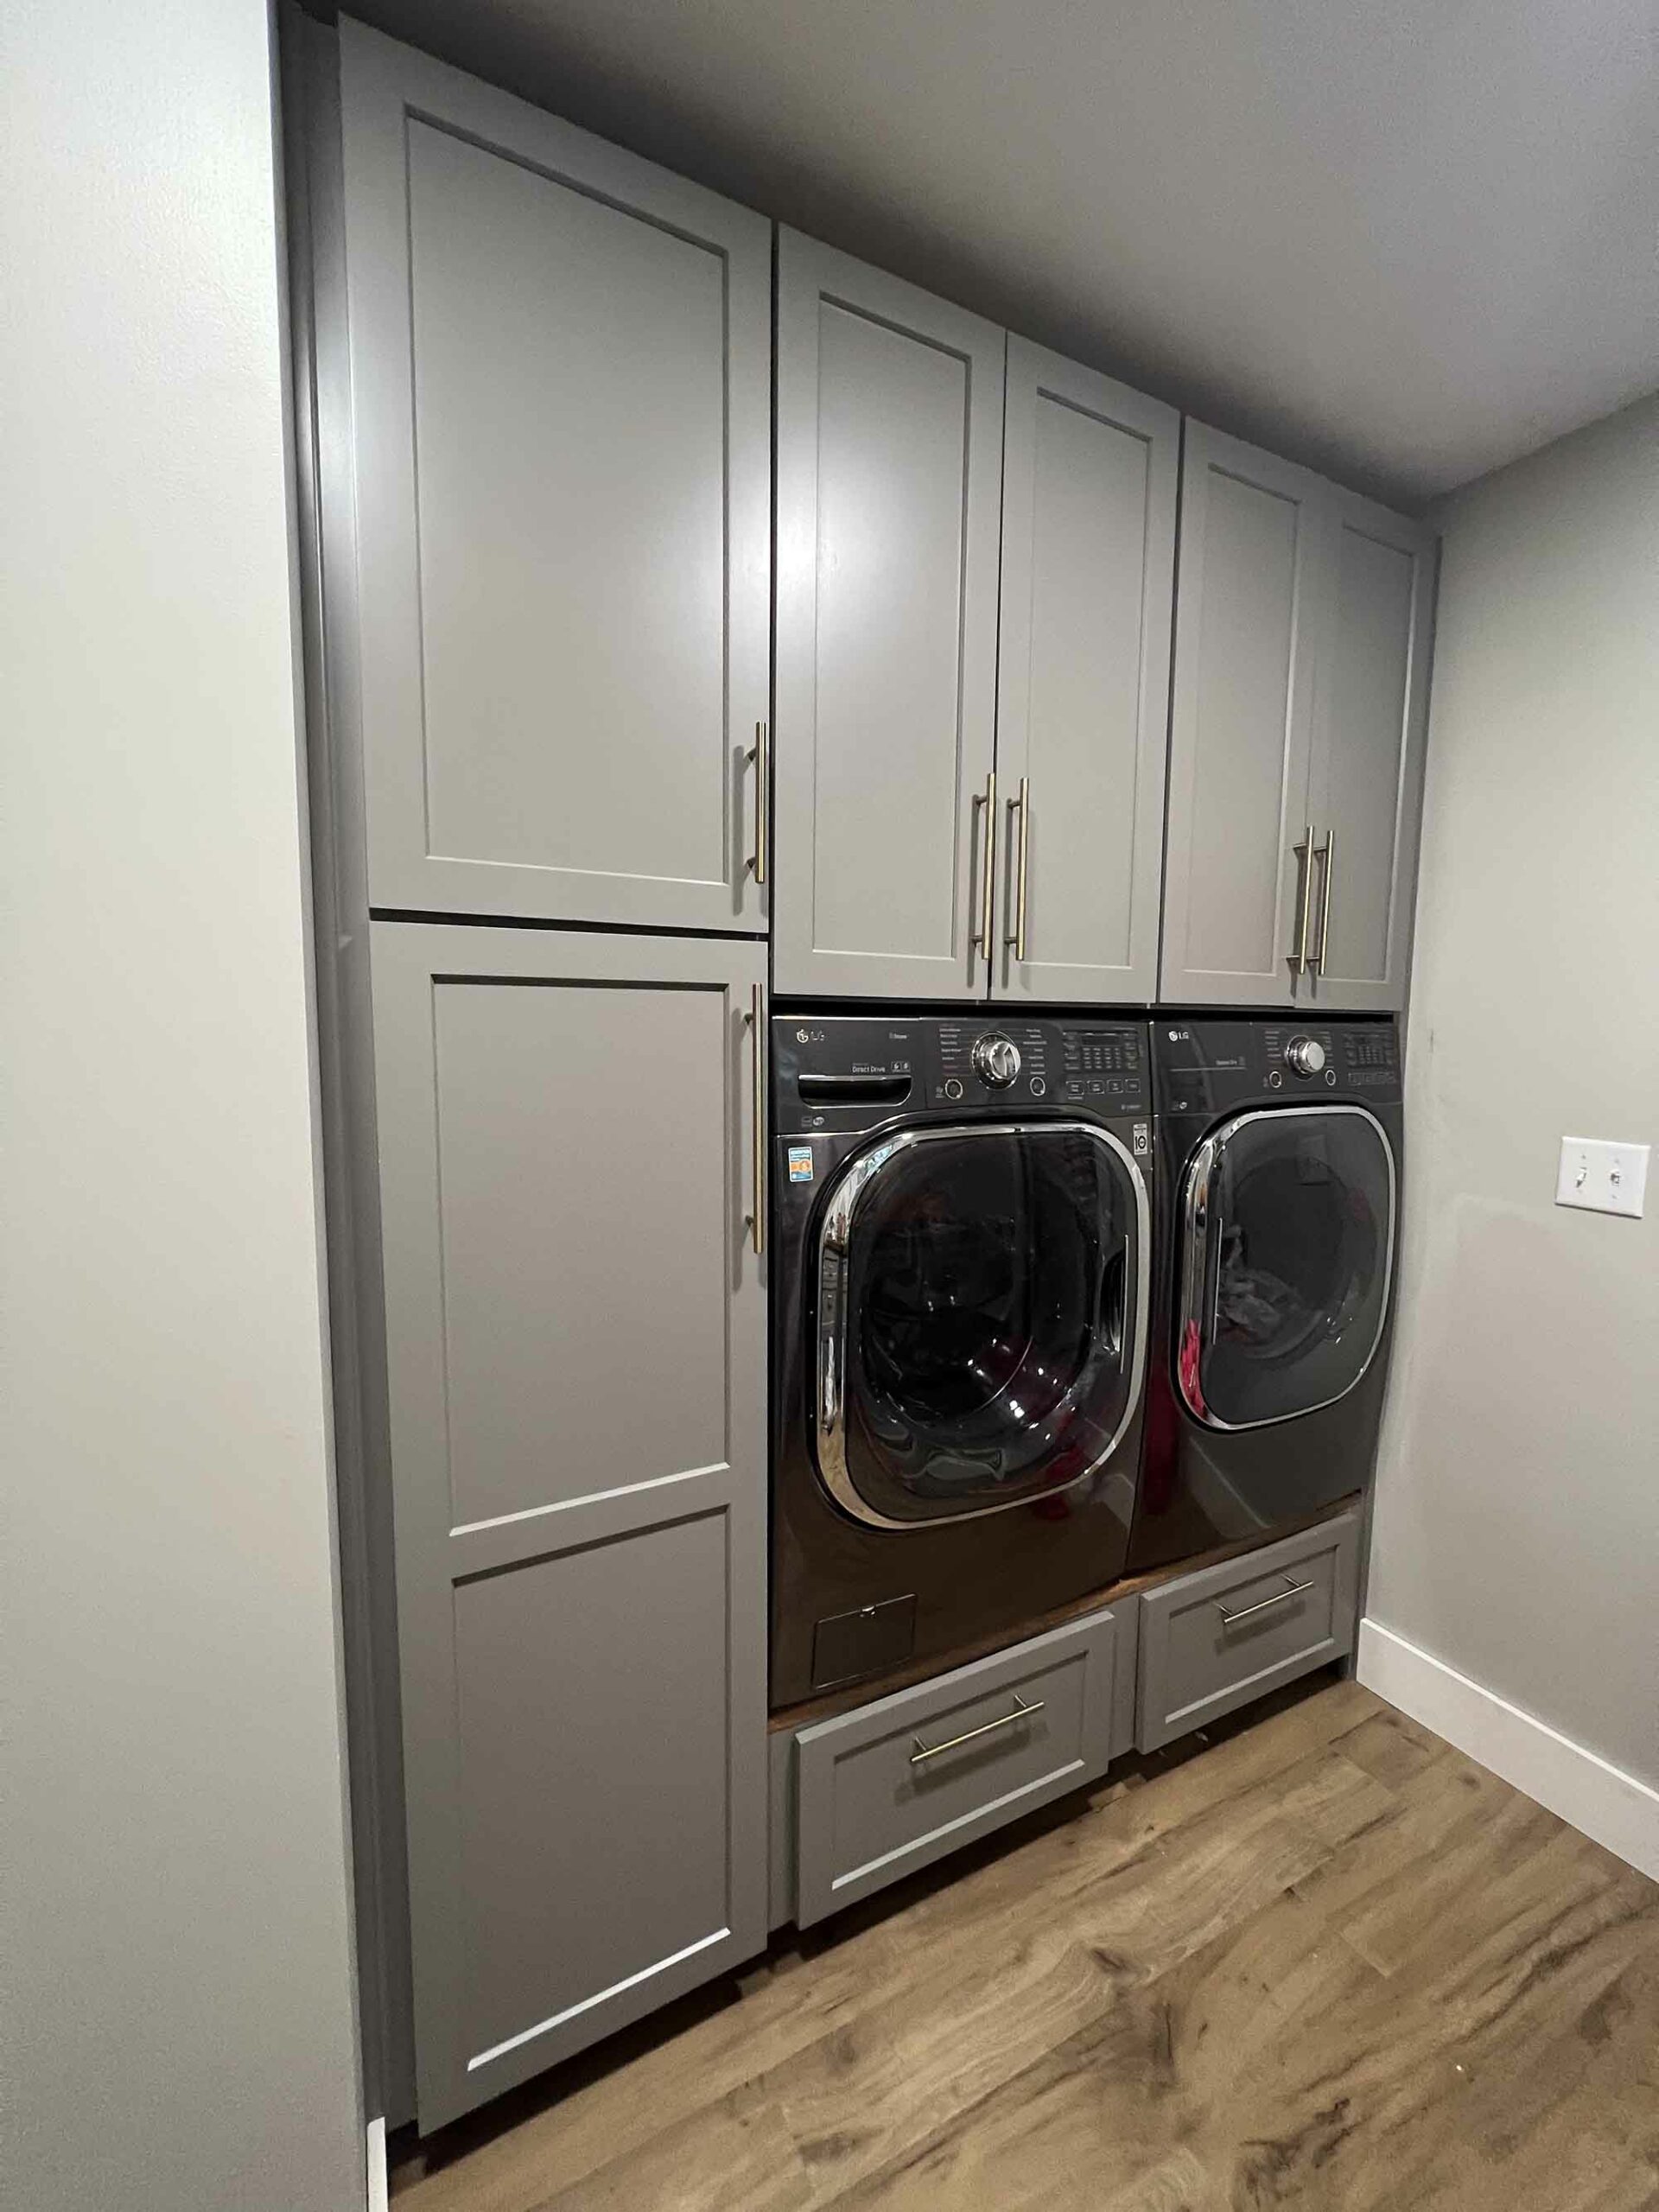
869	1795
1370	713
1089	484
1220	1638
1240	725
559	375
889	482
575	1373
1296	745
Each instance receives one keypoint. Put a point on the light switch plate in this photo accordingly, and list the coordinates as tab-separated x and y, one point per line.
1602	1176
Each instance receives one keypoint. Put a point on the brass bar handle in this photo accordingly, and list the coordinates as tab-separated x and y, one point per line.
1021	806
1325	856
1298	957
922	1751
985	808
1279	1598
760	758
756	1020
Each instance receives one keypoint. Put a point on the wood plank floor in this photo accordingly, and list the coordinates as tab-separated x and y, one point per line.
1321	1961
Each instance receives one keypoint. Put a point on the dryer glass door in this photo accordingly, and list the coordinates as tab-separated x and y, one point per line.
980	1321
1289	1236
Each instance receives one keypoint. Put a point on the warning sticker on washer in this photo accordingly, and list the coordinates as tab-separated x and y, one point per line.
800	1163
1142	1139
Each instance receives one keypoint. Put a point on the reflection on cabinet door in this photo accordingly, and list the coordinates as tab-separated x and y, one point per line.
1236	875
1371	711
559	368
889	474
1083	688
575	1367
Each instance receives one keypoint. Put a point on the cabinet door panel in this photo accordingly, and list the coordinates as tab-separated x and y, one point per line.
1370	713
889	465
559	365
576	1348
1088	582
1240	725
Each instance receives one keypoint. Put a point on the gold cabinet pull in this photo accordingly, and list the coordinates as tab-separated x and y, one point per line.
756	1020
985	811
1020	866
922	1751
1304	852
759	757
1325	856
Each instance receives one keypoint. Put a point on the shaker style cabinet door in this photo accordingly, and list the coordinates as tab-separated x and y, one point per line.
575	1377
1371	711
889	475
560	363
1089	482
1237	877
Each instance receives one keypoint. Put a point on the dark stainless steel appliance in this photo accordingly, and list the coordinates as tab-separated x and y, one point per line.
960	1282
1279	1151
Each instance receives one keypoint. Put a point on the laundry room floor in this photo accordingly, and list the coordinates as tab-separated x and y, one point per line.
1322	1960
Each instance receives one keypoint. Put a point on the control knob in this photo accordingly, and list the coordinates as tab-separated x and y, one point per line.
997	1060
1305	1056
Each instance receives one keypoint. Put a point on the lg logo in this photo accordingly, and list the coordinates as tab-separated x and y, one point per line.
809	1036
1181	1036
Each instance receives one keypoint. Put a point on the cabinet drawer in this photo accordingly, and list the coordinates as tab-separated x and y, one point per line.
1213	1641
898	1783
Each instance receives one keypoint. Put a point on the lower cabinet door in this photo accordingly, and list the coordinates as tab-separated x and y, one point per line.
575	1379
1224	1636
900	1782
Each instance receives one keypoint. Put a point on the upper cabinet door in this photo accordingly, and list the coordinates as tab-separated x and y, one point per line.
1237	873
1370	706
560	374
889	481
1089	483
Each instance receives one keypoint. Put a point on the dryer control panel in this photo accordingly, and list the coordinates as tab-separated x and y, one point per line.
852	1072
1203	1065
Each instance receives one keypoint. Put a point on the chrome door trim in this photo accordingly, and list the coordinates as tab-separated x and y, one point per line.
834	1259
1196	1227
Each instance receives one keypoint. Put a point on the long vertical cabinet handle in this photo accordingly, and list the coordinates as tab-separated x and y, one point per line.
985	812
1326	856
1297	961
1020	867
759	758
756	1020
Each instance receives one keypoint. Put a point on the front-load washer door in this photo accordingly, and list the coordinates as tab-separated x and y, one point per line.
981	1317
1288	1242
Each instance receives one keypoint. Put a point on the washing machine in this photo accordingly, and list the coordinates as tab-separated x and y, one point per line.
960	1288
1279	1151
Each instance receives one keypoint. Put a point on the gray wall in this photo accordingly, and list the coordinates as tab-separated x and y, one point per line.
178	1996
1517	1515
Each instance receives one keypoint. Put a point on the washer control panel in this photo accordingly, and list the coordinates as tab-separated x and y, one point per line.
853	1072
1203	1064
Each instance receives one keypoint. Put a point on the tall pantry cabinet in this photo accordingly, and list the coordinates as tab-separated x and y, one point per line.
539	436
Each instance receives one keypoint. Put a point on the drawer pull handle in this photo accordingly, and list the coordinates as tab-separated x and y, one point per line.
922	1751
1279	1598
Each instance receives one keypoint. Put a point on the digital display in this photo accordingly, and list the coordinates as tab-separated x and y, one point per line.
1368	1048
1103	1052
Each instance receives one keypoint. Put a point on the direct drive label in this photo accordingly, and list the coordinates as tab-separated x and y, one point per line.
800	1163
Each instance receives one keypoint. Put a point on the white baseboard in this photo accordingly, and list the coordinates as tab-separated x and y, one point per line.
1602	1801
378	2187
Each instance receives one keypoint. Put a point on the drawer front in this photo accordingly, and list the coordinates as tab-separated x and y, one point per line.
1213	1641
898	1783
